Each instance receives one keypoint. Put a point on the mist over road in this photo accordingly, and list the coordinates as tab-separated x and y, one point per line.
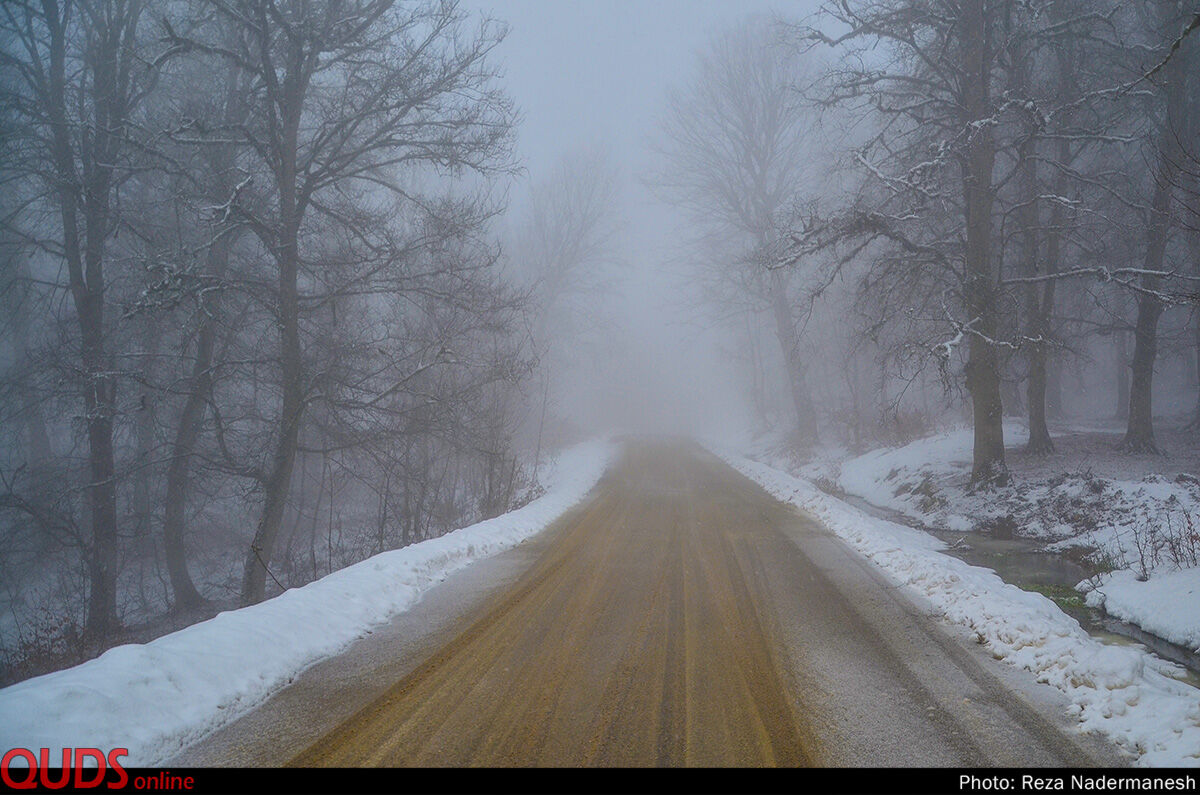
684	617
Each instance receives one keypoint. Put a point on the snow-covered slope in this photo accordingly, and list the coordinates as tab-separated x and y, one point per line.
157	697
1167	604
1122	691
1139	522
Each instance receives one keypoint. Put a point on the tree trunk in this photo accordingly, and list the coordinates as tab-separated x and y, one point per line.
1194	237
1042	307
283	458
83	251
1040	441
100	391
187	433
1121	354
806	413
200	382
37	438
983	370
1195	423
1139	433
1194	242
1040	298
142	503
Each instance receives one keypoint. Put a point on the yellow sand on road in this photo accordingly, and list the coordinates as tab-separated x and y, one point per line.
638	638
680	616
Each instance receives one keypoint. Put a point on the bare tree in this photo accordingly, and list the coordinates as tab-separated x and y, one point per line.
76	76
1176	98
563	248
346	94
933	88
734	144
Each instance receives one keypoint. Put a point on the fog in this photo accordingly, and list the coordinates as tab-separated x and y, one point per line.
287	285
593	76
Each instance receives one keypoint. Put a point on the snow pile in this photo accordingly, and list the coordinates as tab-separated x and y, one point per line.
156	698
910	479
1081	496
1167	604
1122	691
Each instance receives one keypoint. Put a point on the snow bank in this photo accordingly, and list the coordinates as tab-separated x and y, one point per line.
1168	604
1081	496
1122	691
873	475
156	698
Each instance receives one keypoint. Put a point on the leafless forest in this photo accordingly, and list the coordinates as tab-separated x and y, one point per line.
280	292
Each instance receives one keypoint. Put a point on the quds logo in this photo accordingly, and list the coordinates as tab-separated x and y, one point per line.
82	768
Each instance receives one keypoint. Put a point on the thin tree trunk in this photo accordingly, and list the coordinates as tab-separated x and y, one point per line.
100	393
83	251
806	413
1040	441
1040	298
143	480
1121	355
283	458
1194	238
983	367
1139	433
187	433
200	382
1195	423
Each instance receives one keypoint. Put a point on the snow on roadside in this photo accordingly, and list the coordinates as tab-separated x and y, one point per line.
1168	604
1081	497
158	697
1124	692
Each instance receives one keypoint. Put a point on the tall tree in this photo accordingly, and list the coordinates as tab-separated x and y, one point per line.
932	88
1171	17
734	143
345	94
79	74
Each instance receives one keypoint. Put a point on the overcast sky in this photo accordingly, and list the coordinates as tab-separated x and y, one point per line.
594	73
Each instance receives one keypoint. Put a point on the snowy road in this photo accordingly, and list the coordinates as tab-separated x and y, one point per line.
679	617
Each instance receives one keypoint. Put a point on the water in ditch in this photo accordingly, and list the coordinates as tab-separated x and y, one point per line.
1027	565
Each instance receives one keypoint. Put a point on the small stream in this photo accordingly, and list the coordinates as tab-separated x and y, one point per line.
1027	565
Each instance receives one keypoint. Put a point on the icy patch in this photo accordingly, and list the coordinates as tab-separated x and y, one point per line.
1124	692
158	697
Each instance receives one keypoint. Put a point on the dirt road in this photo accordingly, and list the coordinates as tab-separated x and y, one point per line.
683	617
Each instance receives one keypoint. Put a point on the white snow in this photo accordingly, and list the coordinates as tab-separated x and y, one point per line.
1125	692
874	476
1084	495
158	697
1167	604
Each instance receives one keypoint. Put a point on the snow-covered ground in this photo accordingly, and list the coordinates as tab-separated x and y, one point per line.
1134	519
1125	692
158	697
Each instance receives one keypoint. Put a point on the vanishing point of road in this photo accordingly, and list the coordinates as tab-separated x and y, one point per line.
679	616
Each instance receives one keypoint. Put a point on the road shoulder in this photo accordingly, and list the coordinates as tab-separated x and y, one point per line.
322	697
